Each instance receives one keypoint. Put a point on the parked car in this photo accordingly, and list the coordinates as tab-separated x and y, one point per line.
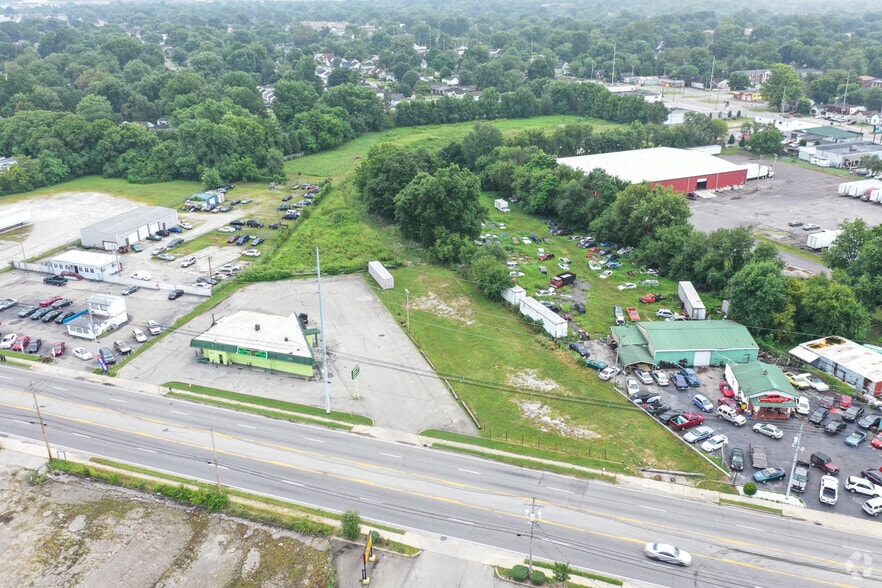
63	303
686	421
186	226
690	376
57	349
7	303
627	286
579	348
130	290
855	485
768	475
797	381
59	320
834	427
34	346
703	403
28	311
21	343
715	443
726	390
853	413
253	223
579	307
871	421
108	356
139	335
803	406
153	327
166	257
188	261
632	386
699	433
815	382
8	340
50	316
828	401
667	553
40	313
829	492
122	347
136	248
644	376
257	241
810	227
660	377
175	294
176	242
736	460
768	430
642	398
679	381
604	275
857	438
596	364
873	474
608	373
818	415
82	353
256	253
55	280
146	276
49	301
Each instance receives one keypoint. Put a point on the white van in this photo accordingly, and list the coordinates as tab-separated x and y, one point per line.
873	506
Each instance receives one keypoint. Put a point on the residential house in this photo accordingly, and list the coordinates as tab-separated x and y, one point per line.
757	76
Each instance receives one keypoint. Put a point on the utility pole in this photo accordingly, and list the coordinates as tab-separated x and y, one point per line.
407	307
216	467
318	265
796	451
533	517
611	81
42	424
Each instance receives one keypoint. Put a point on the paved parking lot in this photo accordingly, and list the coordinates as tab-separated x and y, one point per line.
780	452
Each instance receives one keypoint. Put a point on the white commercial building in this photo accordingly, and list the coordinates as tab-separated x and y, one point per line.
84	265
128	227
106	312
849	361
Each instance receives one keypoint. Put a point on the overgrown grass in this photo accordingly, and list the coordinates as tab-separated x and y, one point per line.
579	573
717	486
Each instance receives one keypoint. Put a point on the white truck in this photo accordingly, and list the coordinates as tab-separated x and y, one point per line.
756	171
822	240
858	188
692	302
501	205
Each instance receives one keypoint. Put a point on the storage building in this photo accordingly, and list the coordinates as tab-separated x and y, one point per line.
850	362
681	169
84	265
258	340
107	312
696	343
128	227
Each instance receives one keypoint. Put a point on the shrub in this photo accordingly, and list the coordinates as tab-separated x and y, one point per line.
750	489
519	573
538	578
562	571
351	525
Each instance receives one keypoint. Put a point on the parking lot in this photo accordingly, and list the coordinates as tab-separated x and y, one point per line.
779	452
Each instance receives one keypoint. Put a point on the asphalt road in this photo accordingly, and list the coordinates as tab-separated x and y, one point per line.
594	525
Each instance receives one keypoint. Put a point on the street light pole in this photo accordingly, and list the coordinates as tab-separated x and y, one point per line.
796	450
533	516
407	307
209	270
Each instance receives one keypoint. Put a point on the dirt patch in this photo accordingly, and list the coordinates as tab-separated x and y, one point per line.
72	532
456	308
541	415
530	380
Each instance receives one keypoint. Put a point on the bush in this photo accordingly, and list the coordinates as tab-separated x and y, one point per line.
351	525
562	571
538	578
750	489
520	573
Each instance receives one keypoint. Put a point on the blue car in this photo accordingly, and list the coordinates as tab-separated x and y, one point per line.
690	376
703	403
856	438
679	382
768	475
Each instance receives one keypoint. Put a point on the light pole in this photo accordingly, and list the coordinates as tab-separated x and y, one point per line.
796	450
209	270
407	307
533	516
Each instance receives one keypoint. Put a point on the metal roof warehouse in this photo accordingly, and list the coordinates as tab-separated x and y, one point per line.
128	227
699	343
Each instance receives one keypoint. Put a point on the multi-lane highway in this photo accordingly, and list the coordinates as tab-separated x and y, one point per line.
593	525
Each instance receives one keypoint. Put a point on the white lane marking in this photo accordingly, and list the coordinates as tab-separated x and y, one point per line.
22	422
558	542
147	450
560	490
460	521
751	528
856	548
471	472
180	413
58	388
391	455
314	440
651	508
6	377
370	500
81	435
292	483
245	426
119	400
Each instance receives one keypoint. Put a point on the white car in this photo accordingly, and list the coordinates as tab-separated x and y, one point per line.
188	261
153	327
667	553
627	286
157	250
141	276
803	406
608	373
768	430
8	303
829	493
566	261
82	353
139	335
227	229
593	265
633	386
202	285
253	253
8	340
715	443
863	486
660	378
605	274
186	225
512	274
564	267
166	257
815	382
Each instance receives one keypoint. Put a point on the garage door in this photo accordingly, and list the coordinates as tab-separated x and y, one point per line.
702	357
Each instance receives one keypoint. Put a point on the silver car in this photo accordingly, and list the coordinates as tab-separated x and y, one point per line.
660	378
667	553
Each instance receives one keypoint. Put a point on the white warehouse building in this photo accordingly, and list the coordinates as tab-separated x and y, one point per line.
128	227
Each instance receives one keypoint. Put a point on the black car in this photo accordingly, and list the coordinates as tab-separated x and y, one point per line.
176	242
834	427
34	346
871	421
286	198
40	313
175	294
27	311
579	307
666	416
51	315
855	412
237	223
818	415
579	348
62	303
291	215
283	207
242	240
657	408
55	280
736	462
873	475
162	232
206	280
59	320
107	355
253	223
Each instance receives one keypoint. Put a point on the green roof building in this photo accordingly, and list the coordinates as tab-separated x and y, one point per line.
764	388
695	343
258	340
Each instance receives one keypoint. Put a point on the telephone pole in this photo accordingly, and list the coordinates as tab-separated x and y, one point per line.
42	424
533	516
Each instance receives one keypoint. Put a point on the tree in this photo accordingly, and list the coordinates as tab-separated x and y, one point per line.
766	141
361	103
489	275
292	98
483	139
93	107
350	525
783	84
640	210
385	172
756	294
847	247
828	308
211	178
561	571
739	80
446	201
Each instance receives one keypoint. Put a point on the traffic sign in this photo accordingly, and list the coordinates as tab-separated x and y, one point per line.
355	371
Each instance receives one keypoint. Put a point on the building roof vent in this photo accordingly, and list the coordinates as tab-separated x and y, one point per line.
256	327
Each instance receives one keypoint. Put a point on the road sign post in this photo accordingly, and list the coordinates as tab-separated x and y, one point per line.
355	371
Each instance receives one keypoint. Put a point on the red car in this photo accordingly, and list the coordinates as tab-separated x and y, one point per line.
724	401
21	343
633	314
546	256
685	421
877	441
50	300
845	402
57	349
650	298
726	390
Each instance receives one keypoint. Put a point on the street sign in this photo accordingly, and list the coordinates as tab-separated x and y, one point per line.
102	363
355	371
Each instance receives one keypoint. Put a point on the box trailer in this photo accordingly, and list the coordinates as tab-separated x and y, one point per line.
822	240
554	324
756	171
857	189
692	302
382	276
501	205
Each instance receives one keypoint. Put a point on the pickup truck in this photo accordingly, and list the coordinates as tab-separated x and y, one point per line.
800	477
652	297
758	456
